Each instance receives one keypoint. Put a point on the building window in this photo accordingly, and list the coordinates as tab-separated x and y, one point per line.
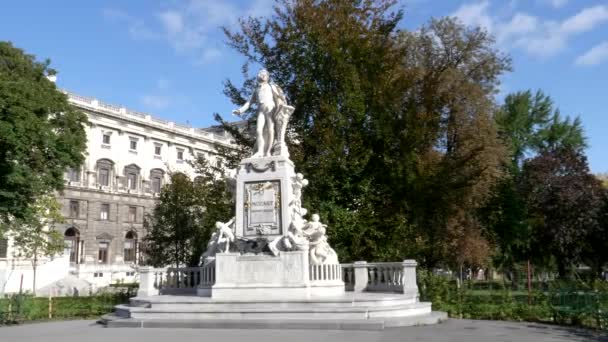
74	208
180	154
156	178
132	214
106	138
157	149
102	255
105	211
156	185
71	238
104	176
74	175
3	247
131	181
130	247
104	167
133	144
132	173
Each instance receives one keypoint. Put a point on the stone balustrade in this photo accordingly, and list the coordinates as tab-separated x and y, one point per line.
171	280
398	277
361	276
322	274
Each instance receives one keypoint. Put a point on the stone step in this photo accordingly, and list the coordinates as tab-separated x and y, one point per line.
294	311
272	304
112	321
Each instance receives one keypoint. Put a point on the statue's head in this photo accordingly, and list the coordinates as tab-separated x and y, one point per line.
315	218
218	224
263	75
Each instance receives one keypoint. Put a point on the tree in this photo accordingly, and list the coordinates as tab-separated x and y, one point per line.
174	223
530	123
527	123
563	202
183	219
393	129
34	236
603	177
41	134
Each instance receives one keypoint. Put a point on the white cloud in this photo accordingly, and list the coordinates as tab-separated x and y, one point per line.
475	14
172	21
594	56
585	20
136	27
191	26
155	102
520	24
535	35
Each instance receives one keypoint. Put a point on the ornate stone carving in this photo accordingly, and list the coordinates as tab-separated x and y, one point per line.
319	251
298	182
269	166
220	240
262	208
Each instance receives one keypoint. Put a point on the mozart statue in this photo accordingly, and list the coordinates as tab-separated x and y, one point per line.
273	113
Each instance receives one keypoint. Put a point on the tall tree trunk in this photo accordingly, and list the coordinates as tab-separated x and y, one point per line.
34	269
177	263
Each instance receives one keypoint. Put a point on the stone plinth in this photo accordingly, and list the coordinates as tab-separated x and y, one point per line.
261	276
285	276
263	198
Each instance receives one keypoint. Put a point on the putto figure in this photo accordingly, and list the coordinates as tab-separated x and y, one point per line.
272	116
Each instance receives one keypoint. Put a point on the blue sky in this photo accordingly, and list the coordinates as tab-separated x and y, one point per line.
169	58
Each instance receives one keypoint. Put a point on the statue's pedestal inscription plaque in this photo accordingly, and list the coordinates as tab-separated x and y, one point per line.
262	208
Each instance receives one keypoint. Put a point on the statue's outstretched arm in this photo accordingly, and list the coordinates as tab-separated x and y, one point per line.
244	108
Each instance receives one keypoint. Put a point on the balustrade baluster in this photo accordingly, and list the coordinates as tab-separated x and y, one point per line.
387	282
373	277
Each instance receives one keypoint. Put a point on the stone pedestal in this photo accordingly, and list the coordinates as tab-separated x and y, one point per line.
263	197
261	276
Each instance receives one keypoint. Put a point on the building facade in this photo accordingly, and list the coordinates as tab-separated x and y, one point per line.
129	157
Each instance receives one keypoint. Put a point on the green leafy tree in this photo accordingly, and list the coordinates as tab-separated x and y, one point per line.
34	236
182	221
528	123
595	253
216	195
41	134
393	129
564	203
174	223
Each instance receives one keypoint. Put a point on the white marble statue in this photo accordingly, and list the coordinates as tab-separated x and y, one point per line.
320	252
298	183
273	113
220	239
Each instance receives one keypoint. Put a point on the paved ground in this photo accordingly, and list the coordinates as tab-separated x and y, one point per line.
452	330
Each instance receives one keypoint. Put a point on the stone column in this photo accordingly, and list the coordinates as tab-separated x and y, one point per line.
146	282
410	287
361	276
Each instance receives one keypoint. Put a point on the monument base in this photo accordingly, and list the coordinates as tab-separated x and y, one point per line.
349	311
286	276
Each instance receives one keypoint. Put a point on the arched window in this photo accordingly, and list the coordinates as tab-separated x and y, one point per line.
156	180
132	176
72	243
104	171
130	247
